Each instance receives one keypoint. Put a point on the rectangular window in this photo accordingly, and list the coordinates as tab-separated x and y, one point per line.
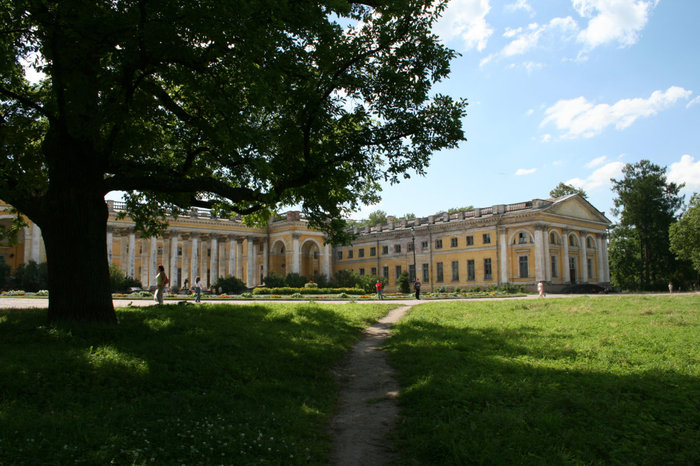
440	277
261	246
362	271
470	240
455	271
486	238
385	250
438	244
412	273
385	272
340	254
424	245
589	263
397	269
361	252
374	271
555	271
426	273
397	248
409	247
488	273
372	251
350	253
471	270
522	262
179	250
453	242
160	250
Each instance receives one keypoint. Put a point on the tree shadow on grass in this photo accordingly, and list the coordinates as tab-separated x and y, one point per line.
504	396
179	383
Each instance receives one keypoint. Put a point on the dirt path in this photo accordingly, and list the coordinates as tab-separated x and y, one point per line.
367	410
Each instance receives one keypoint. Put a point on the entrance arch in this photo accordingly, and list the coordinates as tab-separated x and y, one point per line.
278	258
310	259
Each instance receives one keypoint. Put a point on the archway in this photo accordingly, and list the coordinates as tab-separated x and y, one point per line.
310	259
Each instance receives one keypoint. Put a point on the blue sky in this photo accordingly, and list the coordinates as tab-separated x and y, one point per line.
562	90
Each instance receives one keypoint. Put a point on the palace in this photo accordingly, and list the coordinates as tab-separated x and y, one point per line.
559	241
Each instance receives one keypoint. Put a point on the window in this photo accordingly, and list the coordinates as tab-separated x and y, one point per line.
455	271
471	270
555	271
361	252
340	254
522	238
572	240
179	250
409	247
397	269
522	262
397	248
362	271
488	272
438	244
374	271
160	250
470	240
426	273
208	252
261	246
589	243
552	238
486	238
589	263
453	242
440	277
385	250
385	272
424	245
350	253
412	272
140	251
315	255
372	251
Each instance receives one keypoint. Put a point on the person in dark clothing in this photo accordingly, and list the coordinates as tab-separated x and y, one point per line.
416	286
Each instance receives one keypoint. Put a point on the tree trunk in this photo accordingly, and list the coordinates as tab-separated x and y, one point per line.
75	236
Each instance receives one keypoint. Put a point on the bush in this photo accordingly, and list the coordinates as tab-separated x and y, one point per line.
295	280
4	275
404	286
119	282
230	285
32	276
306	291
274	280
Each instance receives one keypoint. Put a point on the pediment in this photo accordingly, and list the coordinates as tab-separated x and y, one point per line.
574	206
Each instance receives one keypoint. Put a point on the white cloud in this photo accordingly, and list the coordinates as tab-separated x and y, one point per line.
580	118
530	112
695	101
687	171
519	5
527	39
595	162
613	20
525	171
599	177
546	137
466	19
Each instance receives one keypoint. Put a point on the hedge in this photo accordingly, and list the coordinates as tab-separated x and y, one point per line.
315	291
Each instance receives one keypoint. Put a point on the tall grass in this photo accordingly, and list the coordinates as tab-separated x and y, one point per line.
211	384
613	380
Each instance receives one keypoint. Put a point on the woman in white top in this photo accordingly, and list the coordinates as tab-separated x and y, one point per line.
198	289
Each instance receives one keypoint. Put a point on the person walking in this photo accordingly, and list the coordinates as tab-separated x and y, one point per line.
540	289
198	289
379	288
416	286
161	282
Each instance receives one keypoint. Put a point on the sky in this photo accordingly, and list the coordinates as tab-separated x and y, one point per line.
562	91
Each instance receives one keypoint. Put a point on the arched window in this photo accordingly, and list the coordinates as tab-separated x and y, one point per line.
552	238
522	238
589	243
572	240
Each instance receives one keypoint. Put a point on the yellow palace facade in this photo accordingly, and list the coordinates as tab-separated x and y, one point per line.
558	241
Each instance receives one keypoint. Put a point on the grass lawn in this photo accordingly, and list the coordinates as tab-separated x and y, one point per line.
207	384
609	380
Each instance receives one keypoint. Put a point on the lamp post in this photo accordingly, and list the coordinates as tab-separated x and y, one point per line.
413	246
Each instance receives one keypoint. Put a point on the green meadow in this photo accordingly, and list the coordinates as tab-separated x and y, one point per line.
605	380
205	384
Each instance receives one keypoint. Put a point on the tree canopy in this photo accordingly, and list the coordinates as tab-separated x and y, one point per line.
684	235
235	106
563	189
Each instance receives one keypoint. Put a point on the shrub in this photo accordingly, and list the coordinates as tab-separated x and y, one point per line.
32	276
230	285
404	286
274	280
4	274
119	282
311	285
295	280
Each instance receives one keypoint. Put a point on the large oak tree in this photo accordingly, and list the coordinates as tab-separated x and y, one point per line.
239	106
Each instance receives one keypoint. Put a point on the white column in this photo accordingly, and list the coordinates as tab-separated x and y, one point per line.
566	273
239	258
601	262
110	238
584	259
503	246
547	258
152	257
250	275
27	245
214	262
173	259
266	258
36	243
296	254
606	263
232	256
132	254
194	259
222	258
326	261
539	254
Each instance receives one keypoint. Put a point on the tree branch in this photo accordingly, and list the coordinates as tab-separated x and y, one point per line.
26	102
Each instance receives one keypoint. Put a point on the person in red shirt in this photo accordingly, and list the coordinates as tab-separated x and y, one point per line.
379	290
